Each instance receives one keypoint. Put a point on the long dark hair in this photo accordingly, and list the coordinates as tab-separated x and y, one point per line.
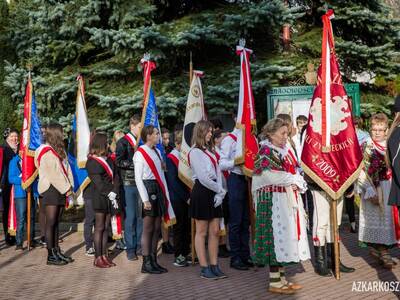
55	138
200	131
99	144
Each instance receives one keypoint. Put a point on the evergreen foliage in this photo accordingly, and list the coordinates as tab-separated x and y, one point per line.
104	40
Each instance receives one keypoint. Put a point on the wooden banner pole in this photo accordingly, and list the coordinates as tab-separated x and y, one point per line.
335	236
28	217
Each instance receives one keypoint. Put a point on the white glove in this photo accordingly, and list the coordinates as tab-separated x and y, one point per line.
113	198
218	198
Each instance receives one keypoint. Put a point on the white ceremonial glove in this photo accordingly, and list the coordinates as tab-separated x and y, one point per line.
113	198
218	198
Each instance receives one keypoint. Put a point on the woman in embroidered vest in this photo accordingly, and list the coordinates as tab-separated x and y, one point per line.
281	237
55	186
149	166
377	227
103	190
206	199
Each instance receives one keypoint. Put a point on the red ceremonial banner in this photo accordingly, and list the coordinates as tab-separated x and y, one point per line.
331	155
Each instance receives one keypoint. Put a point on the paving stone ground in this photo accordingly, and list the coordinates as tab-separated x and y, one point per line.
24	275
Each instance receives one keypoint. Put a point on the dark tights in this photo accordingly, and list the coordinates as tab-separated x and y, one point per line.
53	215
150	235
100	237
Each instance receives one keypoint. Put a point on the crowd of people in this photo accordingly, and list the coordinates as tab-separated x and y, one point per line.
143	185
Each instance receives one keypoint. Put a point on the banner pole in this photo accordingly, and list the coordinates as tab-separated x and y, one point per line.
28	218
336	250
190	69
251	211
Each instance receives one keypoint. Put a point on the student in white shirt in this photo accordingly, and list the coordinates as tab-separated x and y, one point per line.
153	198
206	199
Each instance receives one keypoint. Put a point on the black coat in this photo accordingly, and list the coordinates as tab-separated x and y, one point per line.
394	158
5	185
124	161
100	185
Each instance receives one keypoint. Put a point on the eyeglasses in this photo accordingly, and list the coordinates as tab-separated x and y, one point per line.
378	130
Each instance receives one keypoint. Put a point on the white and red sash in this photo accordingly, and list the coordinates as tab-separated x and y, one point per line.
158	172
232	136
12	215
174	156
42	150
225	173
131	139
105	165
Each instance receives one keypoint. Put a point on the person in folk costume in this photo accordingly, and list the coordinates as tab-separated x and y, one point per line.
179	194
239	218
133	223
55	186
324	264
153	190
376	217
218	136
206	199
280	234
103	190
10	149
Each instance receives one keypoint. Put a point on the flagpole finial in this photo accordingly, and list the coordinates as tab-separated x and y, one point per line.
29	67
242	42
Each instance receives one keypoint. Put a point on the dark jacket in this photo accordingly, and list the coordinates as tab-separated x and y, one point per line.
5	185
177	189
394	158
124	162
100	184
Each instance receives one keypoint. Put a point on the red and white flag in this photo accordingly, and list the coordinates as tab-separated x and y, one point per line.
246	145
331	155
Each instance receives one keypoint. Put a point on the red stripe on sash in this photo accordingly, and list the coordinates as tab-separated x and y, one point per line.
130	140
174	159
46	149
153	168
225	173
104	164
395	212
232	136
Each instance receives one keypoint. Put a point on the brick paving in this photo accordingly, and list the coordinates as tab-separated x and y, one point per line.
25	275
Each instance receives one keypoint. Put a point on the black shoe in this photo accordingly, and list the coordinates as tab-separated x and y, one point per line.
19	247
147	266
167	248
42	241
54	259
10	240
331	261
239	265
248	262
34	244
321	265
223	252
189	259
156	265
64	257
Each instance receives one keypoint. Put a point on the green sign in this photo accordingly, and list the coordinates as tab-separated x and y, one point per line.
296	100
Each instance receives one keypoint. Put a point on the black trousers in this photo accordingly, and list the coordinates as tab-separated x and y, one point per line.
6	207
181	229
350	209
308	204
88	224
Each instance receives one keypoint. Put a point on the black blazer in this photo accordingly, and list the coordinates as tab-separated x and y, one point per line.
393	150
124	161
100	184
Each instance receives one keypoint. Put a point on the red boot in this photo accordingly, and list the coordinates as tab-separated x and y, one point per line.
98	262
108	261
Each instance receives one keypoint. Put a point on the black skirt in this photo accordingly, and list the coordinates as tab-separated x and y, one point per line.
202	203
102	205
156	198
53	197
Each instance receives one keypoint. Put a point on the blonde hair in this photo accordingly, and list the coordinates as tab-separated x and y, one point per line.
118	134
178	137
379	118
200	131
271	127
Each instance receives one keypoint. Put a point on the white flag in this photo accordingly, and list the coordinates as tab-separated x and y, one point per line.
194	113
82	126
